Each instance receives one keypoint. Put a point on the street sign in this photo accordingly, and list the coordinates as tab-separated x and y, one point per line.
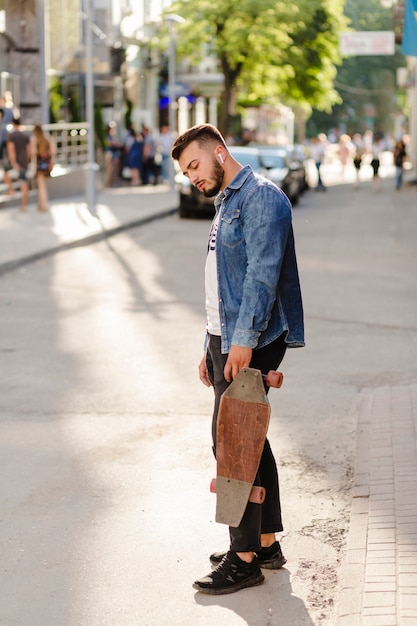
367	42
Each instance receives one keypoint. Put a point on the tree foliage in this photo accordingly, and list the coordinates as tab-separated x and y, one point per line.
269	51
367	84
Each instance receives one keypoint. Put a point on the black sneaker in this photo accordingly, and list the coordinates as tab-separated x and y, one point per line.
269	558
230	575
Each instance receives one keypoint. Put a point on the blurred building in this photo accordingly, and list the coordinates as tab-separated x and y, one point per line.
42	44
19	54
43	52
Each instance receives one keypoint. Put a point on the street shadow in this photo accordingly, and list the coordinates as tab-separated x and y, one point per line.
175	274
271	603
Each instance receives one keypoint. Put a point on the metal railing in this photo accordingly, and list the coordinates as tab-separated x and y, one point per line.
70	142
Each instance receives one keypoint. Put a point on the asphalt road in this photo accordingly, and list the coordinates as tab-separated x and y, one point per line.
106	515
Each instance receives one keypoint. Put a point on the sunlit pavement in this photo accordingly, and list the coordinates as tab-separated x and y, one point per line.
33	234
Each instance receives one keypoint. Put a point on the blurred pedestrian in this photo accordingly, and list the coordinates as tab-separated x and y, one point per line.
149	148
43	151
400	154
3	143
346	151
6	118
112	148
377	147
134	159
317	153
357	157
163	148
128	140
19	156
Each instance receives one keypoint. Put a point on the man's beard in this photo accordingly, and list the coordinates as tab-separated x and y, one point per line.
217	174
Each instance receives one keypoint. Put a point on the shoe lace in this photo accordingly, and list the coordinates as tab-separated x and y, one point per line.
225	566
231	570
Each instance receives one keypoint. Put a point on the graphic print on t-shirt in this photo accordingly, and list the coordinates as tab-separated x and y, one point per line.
212	236
212	297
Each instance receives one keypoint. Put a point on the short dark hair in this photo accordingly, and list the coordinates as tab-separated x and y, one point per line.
204	134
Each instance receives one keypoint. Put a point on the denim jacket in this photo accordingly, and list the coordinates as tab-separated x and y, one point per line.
259	289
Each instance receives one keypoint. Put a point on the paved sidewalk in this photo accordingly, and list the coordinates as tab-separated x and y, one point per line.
28	236
380	581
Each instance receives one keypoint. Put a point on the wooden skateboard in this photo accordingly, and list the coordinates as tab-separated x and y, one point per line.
242	425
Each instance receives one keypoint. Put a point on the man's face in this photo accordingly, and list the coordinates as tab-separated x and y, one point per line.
202	168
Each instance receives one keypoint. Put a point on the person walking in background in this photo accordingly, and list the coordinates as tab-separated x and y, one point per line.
112	148
19	156
400	154
43	150
149	147
345	152
7	115
164	149
10	109
254	313
134	159
127	140
377	147
317	153
2	140
6	118
357	157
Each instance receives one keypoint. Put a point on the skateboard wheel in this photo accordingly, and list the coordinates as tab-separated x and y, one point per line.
257	494
274	379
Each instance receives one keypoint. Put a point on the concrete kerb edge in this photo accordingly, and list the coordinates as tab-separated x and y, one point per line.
353	572
10	266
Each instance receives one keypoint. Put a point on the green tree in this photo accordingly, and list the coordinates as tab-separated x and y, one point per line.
56	99
270	51
99	125
369	97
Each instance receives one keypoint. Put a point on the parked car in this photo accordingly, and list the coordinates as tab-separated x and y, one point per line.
192	202
284	170
299	157
249	155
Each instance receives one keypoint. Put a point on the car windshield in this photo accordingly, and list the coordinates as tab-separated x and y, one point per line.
246	157
273	159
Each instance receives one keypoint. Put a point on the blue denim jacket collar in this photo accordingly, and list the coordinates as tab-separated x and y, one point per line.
236	183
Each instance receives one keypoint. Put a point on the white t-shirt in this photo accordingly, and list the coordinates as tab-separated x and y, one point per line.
211	283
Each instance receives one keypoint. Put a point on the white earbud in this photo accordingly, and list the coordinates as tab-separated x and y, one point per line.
221	159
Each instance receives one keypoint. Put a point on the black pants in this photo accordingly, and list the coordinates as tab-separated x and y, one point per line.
258	518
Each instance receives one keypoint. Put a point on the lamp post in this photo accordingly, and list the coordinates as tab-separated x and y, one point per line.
91	166
172	20
42	9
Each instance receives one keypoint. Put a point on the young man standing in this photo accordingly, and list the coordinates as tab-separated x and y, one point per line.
254	312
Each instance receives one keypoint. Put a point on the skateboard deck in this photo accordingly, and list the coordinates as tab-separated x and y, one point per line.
242	425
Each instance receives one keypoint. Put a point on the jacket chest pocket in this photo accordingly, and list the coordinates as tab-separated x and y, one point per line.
231	228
